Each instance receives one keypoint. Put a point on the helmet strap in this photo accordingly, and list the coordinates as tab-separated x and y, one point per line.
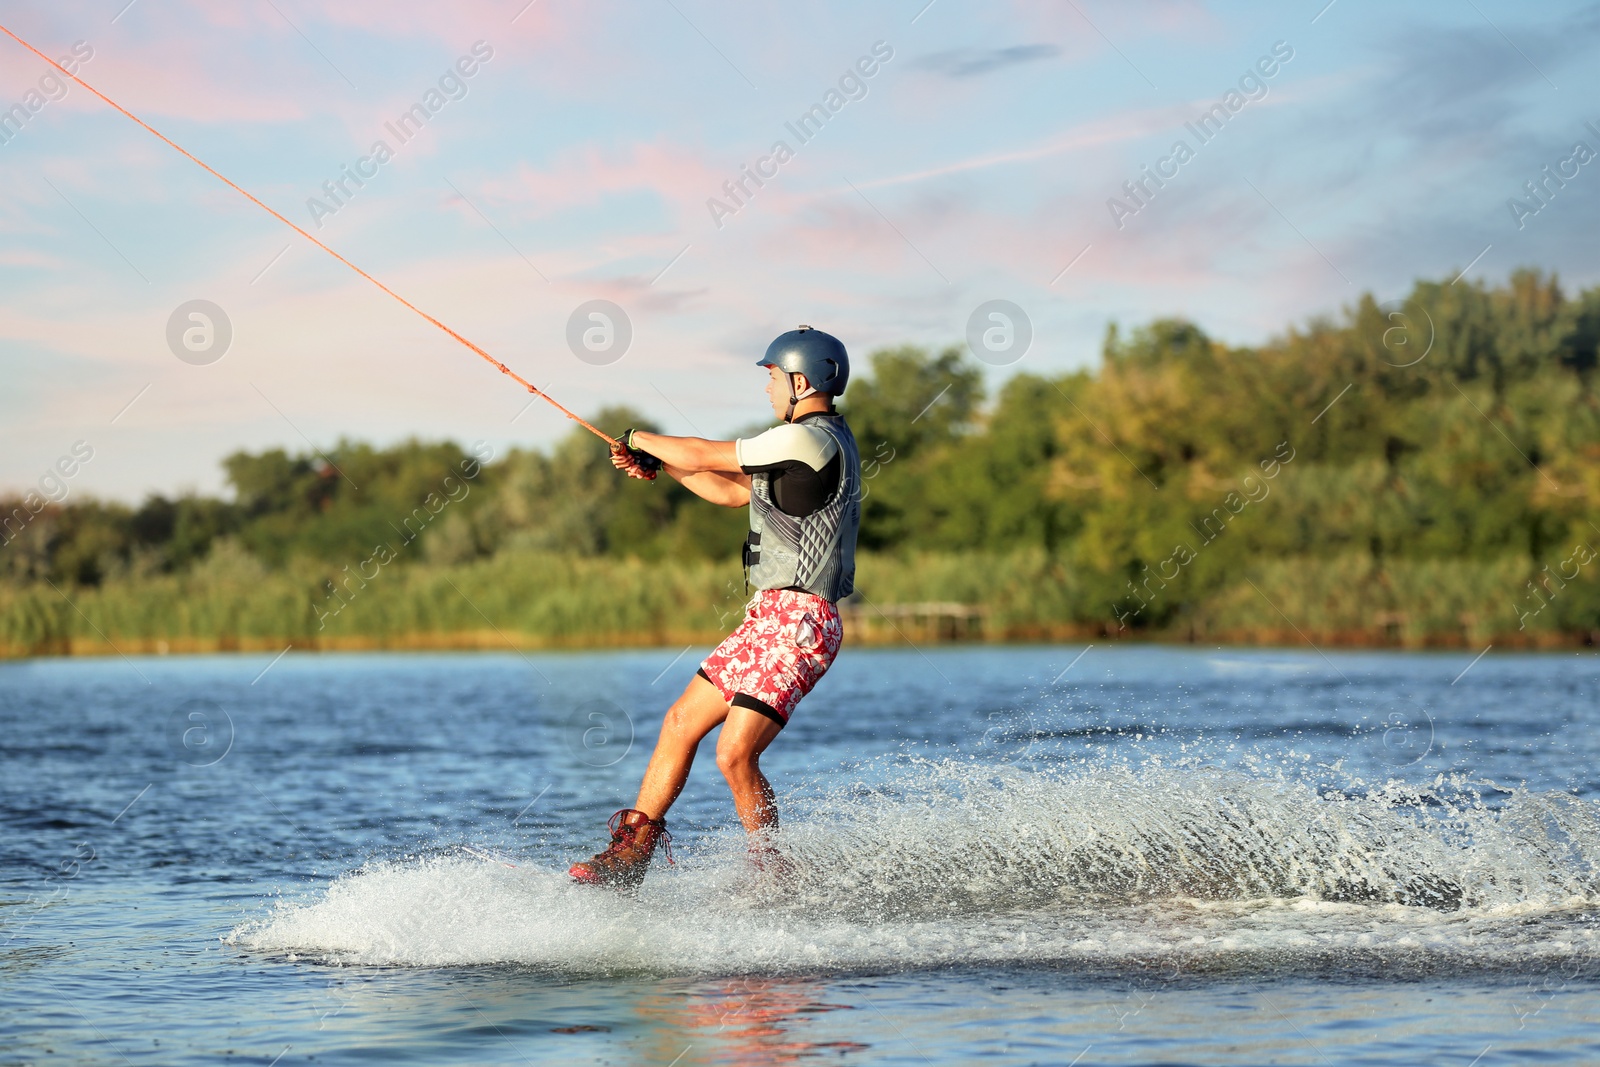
795	398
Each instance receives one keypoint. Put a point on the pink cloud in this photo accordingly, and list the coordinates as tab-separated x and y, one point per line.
30	257
586	176
173	71
213	62
1121	22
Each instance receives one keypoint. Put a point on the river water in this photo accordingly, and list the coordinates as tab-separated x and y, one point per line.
1051	854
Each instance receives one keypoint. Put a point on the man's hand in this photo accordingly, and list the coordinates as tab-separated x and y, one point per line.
632	461
622	459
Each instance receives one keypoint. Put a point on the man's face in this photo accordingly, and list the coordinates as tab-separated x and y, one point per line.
778	389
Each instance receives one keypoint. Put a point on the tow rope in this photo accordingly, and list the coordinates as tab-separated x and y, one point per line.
513	375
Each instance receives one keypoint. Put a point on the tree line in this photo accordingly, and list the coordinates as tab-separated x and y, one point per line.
1424	469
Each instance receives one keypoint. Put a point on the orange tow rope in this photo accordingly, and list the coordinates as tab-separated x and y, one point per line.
536	391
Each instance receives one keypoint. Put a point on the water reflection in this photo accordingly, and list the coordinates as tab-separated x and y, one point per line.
748	1020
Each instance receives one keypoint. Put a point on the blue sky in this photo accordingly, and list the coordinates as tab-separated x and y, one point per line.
577	161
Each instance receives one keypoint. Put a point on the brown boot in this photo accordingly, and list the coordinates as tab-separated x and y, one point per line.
623	864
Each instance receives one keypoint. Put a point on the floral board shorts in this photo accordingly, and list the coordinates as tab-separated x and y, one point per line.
787	641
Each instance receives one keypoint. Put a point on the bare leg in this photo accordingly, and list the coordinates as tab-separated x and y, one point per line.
745	735
693	715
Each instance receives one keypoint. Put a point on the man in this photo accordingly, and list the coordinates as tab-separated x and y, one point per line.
802	482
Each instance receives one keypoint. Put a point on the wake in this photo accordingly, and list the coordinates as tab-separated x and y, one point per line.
975	839
959	863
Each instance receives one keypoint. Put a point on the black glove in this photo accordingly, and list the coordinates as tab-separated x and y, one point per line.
649	465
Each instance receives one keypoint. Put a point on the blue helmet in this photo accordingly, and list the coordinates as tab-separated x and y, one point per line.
819	356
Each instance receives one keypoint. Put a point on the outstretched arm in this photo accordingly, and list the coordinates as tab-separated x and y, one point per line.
689	454
729	490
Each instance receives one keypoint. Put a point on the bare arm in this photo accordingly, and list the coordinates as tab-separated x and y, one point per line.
729	490
690	455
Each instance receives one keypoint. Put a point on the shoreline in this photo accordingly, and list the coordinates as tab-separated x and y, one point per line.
870	637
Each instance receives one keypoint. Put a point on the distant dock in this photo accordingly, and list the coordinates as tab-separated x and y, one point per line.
930	620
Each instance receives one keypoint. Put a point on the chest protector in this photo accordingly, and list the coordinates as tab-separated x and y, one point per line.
817	552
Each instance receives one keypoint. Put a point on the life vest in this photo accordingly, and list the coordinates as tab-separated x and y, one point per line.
815	552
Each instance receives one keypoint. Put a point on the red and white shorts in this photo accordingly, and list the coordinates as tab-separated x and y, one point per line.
787	641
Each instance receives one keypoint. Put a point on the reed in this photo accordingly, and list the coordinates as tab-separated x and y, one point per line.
532	599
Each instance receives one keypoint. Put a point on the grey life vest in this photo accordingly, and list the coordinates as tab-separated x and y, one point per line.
816	552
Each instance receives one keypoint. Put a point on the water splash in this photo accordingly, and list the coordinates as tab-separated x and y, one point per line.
944	863
954	837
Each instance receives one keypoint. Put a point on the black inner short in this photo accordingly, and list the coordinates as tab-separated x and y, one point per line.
744	700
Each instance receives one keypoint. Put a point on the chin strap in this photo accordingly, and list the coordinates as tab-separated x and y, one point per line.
795	398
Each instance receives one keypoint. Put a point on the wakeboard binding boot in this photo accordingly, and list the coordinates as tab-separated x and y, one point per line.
634	836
